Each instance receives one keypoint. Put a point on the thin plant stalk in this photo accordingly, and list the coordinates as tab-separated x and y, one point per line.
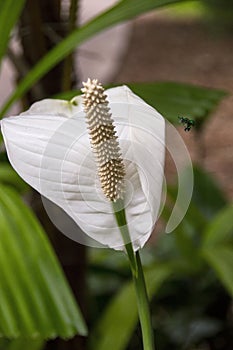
138	278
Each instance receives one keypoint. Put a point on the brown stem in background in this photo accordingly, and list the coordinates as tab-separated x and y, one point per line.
68	62
38	18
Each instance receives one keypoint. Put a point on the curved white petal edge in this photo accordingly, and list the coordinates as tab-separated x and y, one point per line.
49	147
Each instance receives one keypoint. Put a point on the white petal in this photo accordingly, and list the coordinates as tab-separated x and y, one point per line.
26	138
55	107
52	153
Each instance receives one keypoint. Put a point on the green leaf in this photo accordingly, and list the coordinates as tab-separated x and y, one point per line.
220	230
116	325
36	300
9	13
19	344
173	100
8	176
122	11
221	259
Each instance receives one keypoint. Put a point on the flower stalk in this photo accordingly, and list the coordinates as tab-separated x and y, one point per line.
120	216
143	306
138	279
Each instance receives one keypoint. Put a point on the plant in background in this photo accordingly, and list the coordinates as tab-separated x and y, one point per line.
36	302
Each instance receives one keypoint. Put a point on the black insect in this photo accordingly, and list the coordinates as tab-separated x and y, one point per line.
187	123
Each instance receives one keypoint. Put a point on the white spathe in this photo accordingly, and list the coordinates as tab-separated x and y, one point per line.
49	147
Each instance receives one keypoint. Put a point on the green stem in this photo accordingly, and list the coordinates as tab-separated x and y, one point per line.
119	213
138	278
143	307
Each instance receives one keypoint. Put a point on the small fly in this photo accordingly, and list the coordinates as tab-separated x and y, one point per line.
187	123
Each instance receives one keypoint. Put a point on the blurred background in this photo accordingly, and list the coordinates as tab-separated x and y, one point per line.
190	272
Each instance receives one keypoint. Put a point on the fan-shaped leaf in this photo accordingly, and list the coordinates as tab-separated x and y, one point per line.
35	299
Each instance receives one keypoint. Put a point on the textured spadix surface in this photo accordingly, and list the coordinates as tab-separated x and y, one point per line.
104	140
49	147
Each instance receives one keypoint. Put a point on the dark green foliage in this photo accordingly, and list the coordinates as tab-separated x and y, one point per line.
220	13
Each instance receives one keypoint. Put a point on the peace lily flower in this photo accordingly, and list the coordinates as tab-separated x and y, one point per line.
51	149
